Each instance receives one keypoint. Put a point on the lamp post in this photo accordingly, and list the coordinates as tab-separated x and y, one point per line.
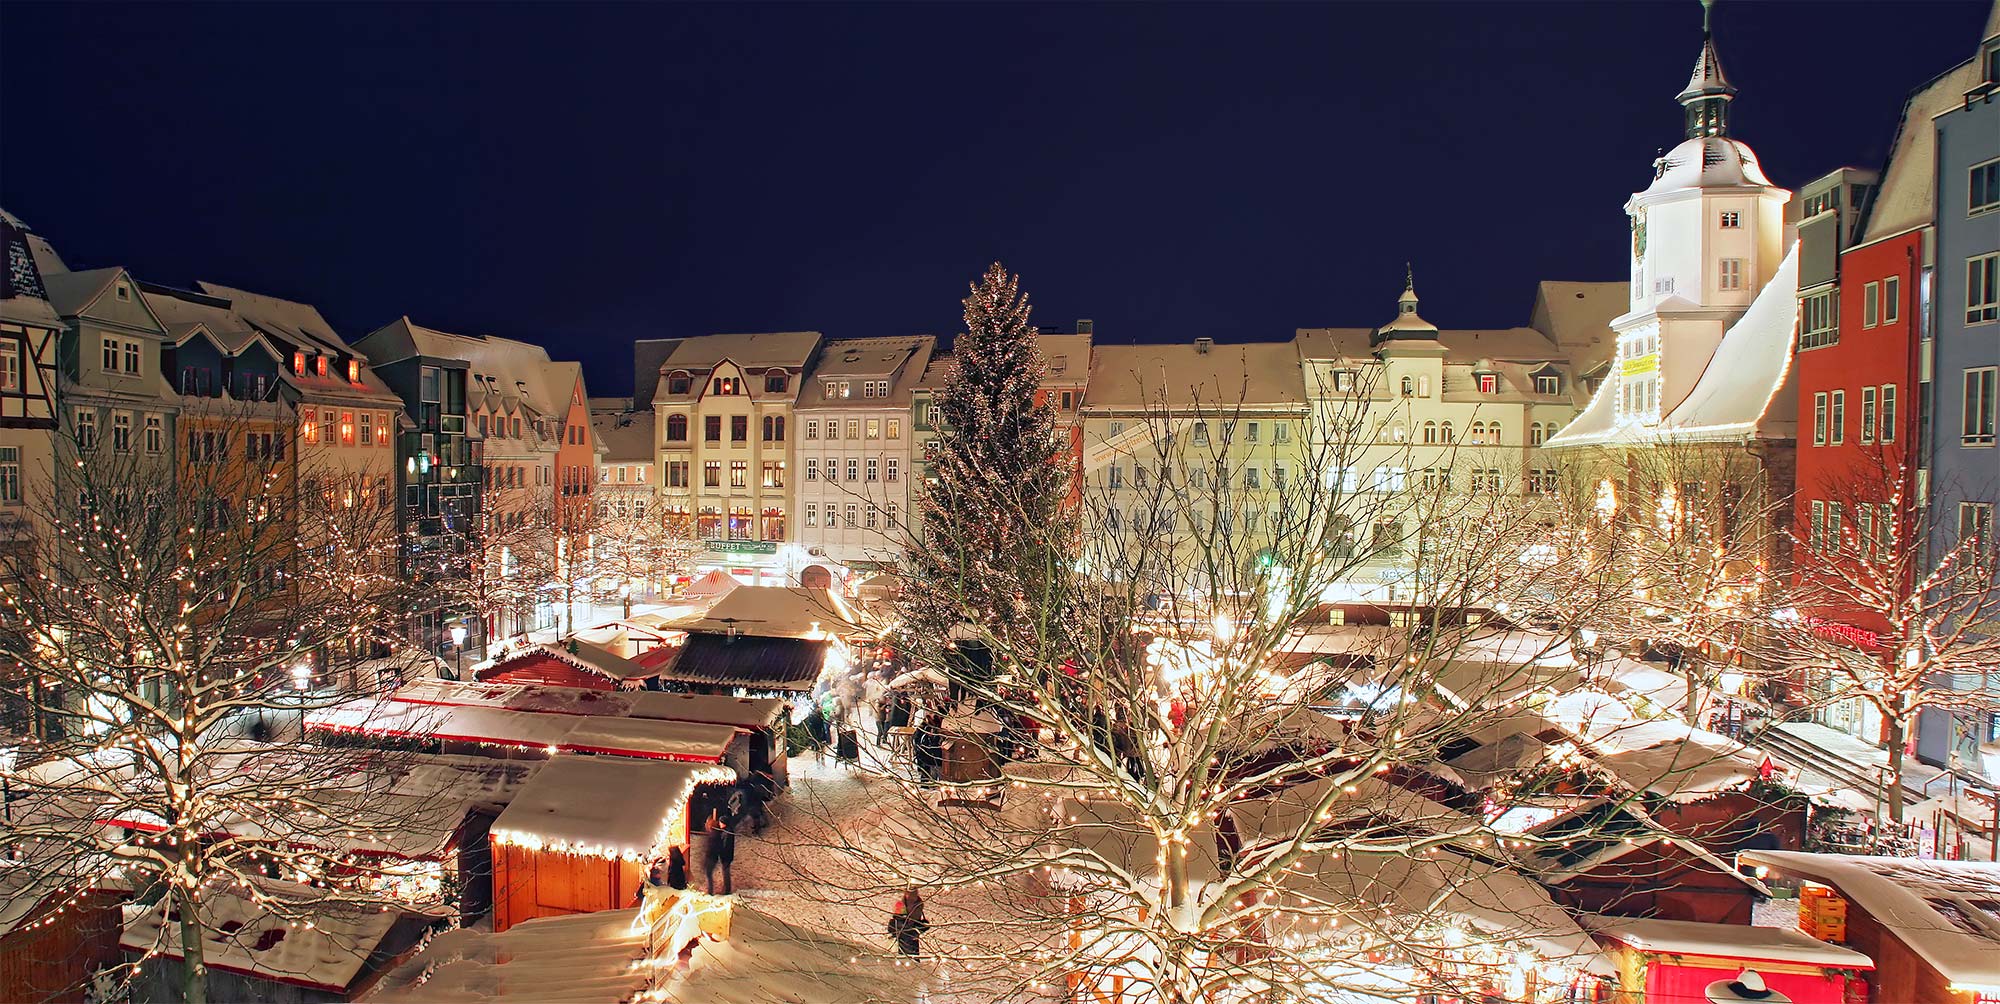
458	642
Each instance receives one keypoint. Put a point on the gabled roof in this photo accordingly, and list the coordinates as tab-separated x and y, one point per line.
1907	197
72	293
288	319
501	372
790	349
899	360
184	312
1746	390
1221	377
1065	358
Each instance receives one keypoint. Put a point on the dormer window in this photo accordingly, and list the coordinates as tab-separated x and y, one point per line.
776	382
321	364
1343	380
299	363
832	388
729	386
354	371
679	383
1489	383
1548	384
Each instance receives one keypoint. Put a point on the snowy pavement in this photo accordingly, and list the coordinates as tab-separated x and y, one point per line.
797	870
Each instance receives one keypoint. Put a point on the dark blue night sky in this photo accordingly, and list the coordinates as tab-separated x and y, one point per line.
581	176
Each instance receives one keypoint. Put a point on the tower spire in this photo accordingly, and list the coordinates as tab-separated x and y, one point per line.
1708	92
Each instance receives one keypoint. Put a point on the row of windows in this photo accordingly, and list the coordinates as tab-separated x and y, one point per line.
346	428
1253	432
1878	416
875	467
845	388
154	431
872	517
319	367
739	474
627	474
1882	302
739	428
739	523
873	428
775	382
1197	476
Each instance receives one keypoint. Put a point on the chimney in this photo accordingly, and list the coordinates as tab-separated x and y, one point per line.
1202	345
1085	326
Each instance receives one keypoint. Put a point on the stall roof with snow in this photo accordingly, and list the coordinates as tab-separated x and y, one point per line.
704	709
1947	912
1724	941
627	737
786	665
603	806
256	940
583	959
777	612
574	656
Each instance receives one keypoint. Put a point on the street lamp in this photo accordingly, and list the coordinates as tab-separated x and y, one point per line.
458	642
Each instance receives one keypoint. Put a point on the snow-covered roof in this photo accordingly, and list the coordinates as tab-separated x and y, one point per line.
71	293
737	712
776	612
300	321
1746	389
752	351
1709	162
1943	910
1907	197
1222	377
1728	941
23	297
604	806
626	737
588	958
901	360
627	436
269	941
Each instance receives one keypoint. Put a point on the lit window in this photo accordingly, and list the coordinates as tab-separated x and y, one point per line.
1732	220
1489	383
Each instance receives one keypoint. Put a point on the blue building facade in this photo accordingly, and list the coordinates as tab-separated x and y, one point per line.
1965	367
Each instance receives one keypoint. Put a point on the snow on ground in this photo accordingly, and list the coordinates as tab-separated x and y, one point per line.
796	871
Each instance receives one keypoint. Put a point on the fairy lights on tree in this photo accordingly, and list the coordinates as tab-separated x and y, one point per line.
172	614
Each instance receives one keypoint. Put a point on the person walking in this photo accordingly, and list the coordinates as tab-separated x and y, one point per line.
721	853
907	923
677	868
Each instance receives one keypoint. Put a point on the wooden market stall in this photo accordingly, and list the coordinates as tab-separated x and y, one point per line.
1676	961
1931	927
498	732
581	835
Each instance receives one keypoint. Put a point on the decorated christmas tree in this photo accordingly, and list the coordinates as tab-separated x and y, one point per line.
993	515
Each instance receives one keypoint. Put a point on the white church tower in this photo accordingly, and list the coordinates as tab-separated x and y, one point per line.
1709	240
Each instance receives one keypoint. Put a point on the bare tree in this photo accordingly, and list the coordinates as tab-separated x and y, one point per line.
1213	785
1891	610
179	607
633	549
1691	536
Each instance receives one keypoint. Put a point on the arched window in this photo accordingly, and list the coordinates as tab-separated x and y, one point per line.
1535	434
677	428
1409	386
1430	433
1445	433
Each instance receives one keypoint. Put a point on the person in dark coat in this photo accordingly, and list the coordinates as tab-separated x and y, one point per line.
677	868
928	751
848	748
721	852
906	925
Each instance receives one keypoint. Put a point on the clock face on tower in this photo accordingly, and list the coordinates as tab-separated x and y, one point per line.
1639	235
